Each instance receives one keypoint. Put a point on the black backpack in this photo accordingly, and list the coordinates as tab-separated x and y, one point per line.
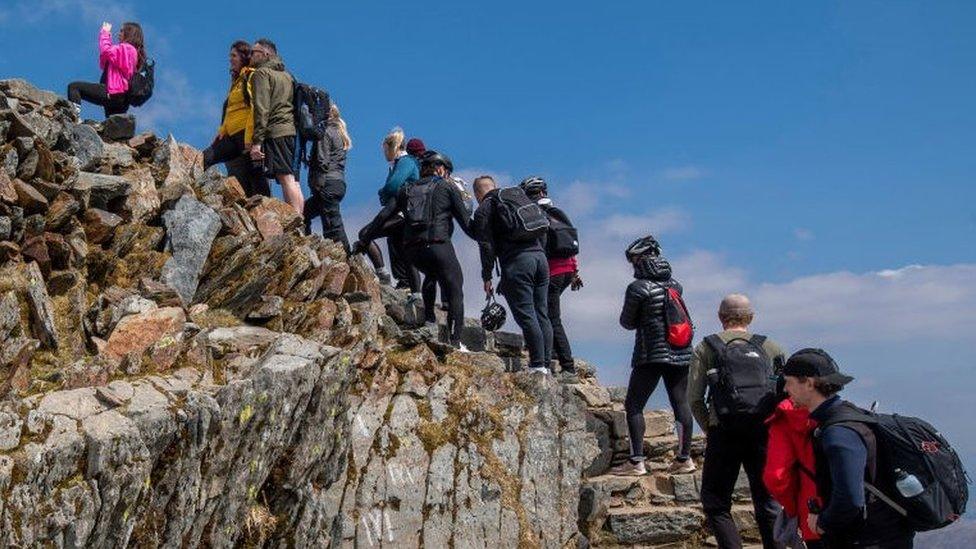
141	83
312	107
419	211
911	446
562	239
743	381
521	218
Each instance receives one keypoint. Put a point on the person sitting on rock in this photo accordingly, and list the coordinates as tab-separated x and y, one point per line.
727	365
430	206
118	63
644	311
273	143
236	132
563	269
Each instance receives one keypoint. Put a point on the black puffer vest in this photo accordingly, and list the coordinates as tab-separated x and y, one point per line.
644	312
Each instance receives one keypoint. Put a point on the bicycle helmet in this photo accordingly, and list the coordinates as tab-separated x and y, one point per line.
533	186
493	315
434	158
645	245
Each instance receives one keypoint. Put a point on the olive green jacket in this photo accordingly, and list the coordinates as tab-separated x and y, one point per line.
271	90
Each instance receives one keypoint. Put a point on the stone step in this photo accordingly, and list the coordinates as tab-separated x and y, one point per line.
654	524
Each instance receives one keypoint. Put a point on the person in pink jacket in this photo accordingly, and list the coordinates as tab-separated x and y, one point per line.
118	62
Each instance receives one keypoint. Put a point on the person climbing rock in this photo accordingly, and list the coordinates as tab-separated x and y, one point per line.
118	63
404	168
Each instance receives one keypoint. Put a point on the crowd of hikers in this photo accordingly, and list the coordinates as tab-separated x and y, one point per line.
821	471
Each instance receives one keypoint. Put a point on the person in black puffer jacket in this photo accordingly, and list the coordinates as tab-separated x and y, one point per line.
653	358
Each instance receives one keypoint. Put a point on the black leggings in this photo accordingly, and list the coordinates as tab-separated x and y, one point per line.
438	261
96	93
643	381
324	203
560	342
229	149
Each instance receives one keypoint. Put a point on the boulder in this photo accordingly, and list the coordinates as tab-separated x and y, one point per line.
100	225
25	91
101	189
40	308
29	198
273	217
119	127
190	231
658	525
138	333
61	211
83	142
8	193
143	202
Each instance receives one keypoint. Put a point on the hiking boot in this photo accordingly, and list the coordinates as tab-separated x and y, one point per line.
628	469
384	277
679	467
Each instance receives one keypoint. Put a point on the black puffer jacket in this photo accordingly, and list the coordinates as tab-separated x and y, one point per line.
644	312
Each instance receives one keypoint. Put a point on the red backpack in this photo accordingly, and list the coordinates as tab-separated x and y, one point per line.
678	320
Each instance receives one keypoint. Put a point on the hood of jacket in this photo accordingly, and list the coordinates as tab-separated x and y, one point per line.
272	63
654	268
796	419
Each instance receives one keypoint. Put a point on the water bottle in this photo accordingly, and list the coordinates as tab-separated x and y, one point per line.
908	485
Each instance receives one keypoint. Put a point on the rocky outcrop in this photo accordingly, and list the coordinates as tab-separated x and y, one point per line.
181	366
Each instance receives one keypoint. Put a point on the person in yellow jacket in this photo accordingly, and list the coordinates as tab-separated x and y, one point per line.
234	137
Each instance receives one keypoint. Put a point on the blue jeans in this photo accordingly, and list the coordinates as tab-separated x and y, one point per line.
525	285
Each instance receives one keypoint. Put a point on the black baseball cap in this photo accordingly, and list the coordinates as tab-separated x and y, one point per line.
815	363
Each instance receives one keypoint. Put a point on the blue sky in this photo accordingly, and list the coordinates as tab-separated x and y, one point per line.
816	155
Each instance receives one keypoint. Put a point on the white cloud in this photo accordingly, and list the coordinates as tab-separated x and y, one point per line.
803	235
87	11
683	173
177	104
663	221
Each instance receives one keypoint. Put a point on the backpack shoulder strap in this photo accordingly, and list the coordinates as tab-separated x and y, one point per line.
715	343
758	340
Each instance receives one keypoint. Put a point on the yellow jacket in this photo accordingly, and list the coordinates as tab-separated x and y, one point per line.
238	115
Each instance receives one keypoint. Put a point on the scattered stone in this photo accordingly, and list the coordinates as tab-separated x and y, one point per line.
101	189
269	308
143	202
40	308
29	198
25	91
84	143
135	334
61	211
8	193
273	217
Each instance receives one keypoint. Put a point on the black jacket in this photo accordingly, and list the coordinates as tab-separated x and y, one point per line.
328	156
492	241
846	455
446	206
644	312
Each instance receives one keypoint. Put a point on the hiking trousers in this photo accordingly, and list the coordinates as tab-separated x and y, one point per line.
560	342
525	285
98	94
324	204
729	446
439	262
405	273
643	381
229	150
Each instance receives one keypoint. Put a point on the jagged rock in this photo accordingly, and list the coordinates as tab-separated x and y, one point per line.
180	166
25	91
190	230
8	193
119	127
10	161
143	202
39	307
101	189
162	294
270	307
100	225
6	227
83	142
156	331
29	198
595	395
144	143
61	211
509	344
273	217
116	156
9	315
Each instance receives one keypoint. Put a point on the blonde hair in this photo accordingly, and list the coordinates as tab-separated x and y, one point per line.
336	116
393	141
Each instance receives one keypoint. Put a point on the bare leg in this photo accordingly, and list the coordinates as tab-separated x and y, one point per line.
293	192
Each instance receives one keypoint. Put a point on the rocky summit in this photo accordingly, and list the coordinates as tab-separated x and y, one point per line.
180	366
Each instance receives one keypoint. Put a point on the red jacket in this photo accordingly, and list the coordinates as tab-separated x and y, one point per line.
790	446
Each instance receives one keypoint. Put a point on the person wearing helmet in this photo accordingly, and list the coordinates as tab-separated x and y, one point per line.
563	268
654	358
524	270
430	206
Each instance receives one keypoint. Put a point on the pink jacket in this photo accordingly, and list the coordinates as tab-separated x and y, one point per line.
118	61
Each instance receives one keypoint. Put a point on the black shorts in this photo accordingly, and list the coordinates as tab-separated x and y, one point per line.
279	156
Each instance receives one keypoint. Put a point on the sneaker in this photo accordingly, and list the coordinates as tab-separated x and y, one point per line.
539	370
384	276
461	347
76	109
679	467
628	469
